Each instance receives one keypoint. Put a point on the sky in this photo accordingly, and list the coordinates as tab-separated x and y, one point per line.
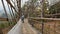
1	6
22	3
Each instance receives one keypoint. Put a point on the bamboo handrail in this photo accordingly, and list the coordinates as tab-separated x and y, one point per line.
45	18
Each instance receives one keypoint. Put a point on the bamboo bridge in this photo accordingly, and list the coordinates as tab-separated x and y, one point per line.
19	28
44	26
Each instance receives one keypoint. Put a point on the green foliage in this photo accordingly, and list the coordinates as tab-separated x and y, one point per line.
2	25
7	24
55	8
34	1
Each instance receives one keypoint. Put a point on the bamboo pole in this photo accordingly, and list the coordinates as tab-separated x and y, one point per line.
4	9
8	1
9	10
19	8
42	15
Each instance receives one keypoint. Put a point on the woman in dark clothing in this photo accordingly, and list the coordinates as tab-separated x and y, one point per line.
22	18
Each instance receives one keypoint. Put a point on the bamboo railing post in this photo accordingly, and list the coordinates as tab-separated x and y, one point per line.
4	9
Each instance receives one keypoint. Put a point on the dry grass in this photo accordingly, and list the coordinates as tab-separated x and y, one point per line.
50	27
5	26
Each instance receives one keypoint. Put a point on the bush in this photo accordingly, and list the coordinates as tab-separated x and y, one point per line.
7	24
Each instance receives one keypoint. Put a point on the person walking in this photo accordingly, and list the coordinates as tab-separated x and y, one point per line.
22	18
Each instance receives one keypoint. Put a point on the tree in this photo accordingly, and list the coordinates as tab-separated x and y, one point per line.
29	7
55	8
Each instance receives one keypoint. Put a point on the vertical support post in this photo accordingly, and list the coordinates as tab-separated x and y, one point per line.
42	15
55	28
42	12
42	21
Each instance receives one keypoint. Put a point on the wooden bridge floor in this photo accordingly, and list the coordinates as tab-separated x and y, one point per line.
27	29
23	28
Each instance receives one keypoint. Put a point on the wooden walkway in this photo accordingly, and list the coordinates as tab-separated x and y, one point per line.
23	28
27	29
